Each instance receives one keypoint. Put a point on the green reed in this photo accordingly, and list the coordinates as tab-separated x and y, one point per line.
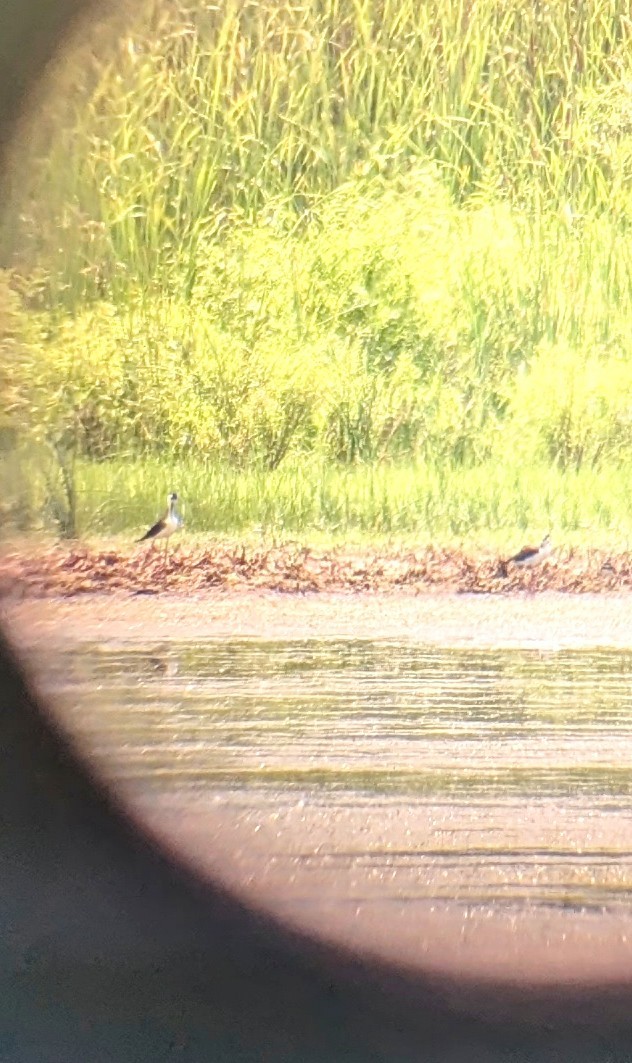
318	503
341	261
200	116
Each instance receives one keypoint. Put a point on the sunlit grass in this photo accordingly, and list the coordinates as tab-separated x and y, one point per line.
200	116
339	269
404	328
321	503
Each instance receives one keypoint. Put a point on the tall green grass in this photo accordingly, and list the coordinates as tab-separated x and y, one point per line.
403	328
200	116
321	503
347	258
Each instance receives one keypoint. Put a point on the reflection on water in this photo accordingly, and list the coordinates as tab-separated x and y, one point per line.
484	775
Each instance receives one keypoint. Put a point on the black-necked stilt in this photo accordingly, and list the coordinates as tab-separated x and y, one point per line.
167	525
529	555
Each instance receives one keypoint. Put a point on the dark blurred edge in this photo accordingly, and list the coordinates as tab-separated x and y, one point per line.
111	952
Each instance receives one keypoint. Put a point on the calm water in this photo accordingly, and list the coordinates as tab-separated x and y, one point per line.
517	763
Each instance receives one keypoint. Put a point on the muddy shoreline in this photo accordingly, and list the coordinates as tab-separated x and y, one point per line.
547	621
75	569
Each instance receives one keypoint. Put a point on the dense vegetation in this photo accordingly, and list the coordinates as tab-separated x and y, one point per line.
332	264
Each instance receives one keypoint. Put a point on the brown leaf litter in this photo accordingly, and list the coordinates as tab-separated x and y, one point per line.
74	569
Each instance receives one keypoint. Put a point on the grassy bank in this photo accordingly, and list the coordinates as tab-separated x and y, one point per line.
327	268
489	505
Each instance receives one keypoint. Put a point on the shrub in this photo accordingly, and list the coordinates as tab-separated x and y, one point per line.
573	408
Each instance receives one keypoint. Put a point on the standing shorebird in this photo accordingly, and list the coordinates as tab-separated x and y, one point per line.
528	556
167	525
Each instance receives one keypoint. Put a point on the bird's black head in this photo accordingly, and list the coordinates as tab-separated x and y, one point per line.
173	497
